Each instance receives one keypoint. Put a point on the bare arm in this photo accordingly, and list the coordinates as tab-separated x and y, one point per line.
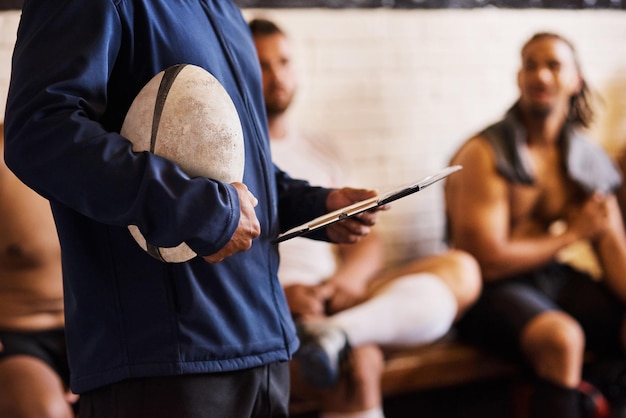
611	249
478	206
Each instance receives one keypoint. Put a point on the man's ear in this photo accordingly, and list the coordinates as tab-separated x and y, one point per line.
578	86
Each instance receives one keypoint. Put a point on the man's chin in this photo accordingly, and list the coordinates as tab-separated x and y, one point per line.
275	110
538	110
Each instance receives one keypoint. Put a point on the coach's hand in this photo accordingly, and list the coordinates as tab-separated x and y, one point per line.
247	230
352	229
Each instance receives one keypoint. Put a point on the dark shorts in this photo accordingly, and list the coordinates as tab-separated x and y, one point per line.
48	346
505	307
261	392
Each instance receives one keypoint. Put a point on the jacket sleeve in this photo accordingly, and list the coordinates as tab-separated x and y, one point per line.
63	60
299	202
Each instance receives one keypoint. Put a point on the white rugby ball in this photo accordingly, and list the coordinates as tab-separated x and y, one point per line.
185	115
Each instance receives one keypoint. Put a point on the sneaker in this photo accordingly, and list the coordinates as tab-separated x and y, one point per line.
323	350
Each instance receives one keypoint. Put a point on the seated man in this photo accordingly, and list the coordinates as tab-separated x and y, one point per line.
34	374
346	308
523	177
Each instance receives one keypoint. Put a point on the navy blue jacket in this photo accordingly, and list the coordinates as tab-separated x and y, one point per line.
77	66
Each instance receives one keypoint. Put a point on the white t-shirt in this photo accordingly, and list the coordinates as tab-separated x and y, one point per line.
315	159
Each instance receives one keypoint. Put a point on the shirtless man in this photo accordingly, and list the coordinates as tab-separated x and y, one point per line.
520	177
33	364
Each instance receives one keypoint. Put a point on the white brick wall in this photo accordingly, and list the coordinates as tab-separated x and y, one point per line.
400	89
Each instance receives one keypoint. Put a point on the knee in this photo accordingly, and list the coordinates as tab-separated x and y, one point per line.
467	282
554	335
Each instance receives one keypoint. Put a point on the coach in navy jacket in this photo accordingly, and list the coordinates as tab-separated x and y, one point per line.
77	66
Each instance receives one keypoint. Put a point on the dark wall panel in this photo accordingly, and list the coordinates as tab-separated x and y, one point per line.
410	4
10	4
437	4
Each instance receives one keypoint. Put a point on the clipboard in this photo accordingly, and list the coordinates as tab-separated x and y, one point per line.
364	205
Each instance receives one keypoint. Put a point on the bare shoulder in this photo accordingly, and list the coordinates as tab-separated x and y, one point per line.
475	151
478	160
478	189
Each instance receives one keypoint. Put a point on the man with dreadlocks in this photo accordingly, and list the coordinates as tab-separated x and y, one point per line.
522	177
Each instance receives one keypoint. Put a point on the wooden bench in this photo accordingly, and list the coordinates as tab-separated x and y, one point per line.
445	363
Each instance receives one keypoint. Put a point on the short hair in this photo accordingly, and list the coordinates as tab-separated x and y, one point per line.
581	111
264	27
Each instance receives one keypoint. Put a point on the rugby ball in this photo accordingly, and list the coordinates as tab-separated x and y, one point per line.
185	115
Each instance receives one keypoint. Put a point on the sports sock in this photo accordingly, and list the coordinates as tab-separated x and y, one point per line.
412	310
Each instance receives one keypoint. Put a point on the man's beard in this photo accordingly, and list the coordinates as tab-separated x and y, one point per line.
274	110
277	107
